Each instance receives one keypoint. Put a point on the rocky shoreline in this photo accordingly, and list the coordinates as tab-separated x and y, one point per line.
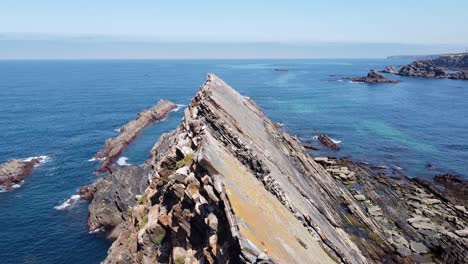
211	185
14	171
115	146
442	67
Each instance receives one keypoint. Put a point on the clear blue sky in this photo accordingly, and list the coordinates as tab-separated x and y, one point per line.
428	22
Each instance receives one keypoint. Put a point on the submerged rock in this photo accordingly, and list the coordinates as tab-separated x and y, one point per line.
374	77
115	146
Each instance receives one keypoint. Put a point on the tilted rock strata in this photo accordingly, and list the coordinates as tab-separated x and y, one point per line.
14	171
229	186
374	77
115	146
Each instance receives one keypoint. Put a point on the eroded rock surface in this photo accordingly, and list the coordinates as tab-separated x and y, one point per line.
115	146
228	186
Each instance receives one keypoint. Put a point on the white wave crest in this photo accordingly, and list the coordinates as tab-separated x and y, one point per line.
2	189
179	106
117	129
94	159
42	159
122	161
335	141
69	202
97	230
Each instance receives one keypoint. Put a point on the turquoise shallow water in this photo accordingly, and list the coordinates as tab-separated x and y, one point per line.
66	109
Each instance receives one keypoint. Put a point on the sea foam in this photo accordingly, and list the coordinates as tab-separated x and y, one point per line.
42	159
122	161
69	202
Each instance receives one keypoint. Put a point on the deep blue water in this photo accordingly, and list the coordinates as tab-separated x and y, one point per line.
66	109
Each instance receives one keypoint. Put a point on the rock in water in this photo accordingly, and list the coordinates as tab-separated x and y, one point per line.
374	77
229	186
115	146
14	171
327	141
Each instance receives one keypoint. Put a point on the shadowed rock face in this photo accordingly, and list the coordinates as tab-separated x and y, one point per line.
14	171
374	77
115	146
228	186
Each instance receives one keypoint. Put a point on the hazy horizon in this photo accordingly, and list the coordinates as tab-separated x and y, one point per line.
52	29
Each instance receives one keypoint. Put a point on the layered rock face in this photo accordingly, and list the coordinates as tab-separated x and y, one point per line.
115	146
374	77
14	171
228	186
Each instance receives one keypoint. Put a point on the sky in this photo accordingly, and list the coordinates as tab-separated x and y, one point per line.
241	28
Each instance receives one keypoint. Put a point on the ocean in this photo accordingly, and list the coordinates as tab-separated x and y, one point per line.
66	109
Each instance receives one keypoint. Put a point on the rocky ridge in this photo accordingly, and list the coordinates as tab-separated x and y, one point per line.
229	186
127	133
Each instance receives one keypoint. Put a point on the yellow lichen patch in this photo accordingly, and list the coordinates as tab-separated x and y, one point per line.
262	218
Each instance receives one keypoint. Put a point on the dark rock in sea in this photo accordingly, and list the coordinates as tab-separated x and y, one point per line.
229	186
424	68
374	77
390	69
436	68
327	141
115	146
14	171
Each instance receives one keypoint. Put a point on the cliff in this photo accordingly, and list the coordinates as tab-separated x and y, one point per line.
229	186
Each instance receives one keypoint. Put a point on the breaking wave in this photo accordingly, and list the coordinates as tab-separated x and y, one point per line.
69	202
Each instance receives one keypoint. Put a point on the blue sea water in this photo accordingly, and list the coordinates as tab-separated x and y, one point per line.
66	109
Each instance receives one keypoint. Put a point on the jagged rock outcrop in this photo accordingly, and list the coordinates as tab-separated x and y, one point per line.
14	171
115	146
428	69
228	186
390	69
374	77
